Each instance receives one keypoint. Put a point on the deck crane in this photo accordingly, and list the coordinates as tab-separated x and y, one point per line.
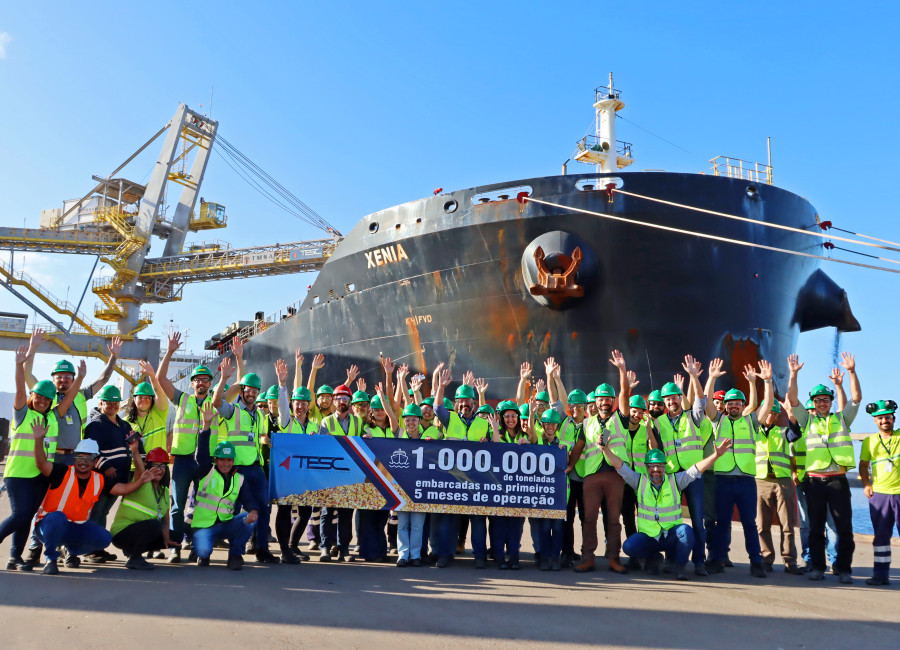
116	222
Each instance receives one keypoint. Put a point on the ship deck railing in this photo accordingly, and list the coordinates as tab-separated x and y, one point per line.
596	143
742	169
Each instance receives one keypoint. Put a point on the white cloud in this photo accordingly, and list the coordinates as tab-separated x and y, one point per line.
5	40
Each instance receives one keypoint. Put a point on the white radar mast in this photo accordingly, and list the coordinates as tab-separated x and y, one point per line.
602	148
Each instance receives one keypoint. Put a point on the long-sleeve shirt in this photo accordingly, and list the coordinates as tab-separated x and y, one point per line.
802	416
245	496
110	437
682	479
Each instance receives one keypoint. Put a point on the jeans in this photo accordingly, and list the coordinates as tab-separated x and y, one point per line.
830	530
444	534
371	533
479	535
236	530
734	491
824	494
885	512
551	533
506	537
314	528
54	530
185	472
25	496
339	534
576	498
709	511
410	526
695	493
255	481
534	525
676	541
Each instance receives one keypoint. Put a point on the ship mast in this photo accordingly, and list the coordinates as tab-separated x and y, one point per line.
602	149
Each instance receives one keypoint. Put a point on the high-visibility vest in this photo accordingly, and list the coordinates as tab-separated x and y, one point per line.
244	431
636	446
144	504
294	426
658	512
570	431
457	429
772	449
152	427
65	498
682	444
334	427
593	431
743	449
188	423
213	503
828	439
430	432
378	432
798	450
80	405
20	461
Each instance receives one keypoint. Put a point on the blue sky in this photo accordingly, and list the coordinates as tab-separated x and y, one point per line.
359	106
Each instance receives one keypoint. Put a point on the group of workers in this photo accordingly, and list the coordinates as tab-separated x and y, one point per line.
630	459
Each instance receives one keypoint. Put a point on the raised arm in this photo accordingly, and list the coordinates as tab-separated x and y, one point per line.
389	367
40	455
225	371
114	347
21	397
693	368
709	461
237	348
388	409
765	373
715	371
318	363
522	388
560	387
532	433
415	383
481	387
794	367
37	340
168	388
848	363
162	400
840	397
618	360
298	369
69	398
549	365
750	376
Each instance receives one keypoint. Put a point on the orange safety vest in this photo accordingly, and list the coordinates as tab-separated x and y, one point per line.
65	498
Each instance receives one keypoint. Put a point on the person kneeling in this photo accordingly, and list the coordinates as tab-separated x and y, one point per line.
221	493
659	519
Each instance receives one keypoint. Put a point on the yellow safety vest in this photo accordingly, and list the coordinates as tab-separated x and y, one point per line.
213	502
377	432
637	445
334	427
20	461
743	449
682	444
828	439
152	427
296	427
658	512
188	423
244	432
593	432
772	449
457	429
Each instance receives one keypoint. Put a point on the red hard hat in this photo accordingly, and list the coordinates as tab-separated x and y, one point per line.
158	455
719	394
343	389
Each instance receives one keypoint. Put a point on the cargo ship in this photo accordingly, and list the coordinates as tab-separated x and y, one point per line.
655	264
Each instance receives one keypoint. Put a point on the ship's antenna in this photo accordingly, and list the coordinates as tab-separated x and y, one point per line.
649	369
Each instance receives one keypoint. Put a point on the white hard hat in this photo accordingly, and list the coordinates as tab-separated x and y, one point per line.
88	446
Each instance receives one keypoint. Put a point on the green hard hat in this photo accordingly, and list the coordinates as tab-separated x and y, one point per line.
809	406
654	457
324	389
637	402
412	410
449	405
882	407
272	393
428	401
551	416
543	396
577	397
251	380
302	394
465	392
143	388
360	397
201	370
507	405
224	450
523	411
44	388
109	393
821	390
376	402
261	399
776	407
655	396
485	409
604	390
670	389
591	396
63	366
734	394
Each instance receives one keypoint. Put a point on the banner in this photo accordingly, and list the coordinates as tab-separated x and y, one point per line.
449	476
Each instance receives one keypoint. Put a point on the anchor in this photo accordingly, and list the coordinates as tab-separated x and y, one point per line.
557	284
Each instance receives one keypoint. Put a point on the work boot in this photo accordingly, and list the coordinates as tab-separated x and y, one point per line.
700	570
615	566
402	563
109	557
816	575
443	562
480	563
186	545
879	581
287	557
728	563
545	564
174	556
202	561
50	568
514	564
72	561
587	565
845	578
334	551
554	565
313	546
758	570
416	562
653	563
633	564
793	569
715	566
265	556
681	572
95	558
138	563
567	561
461	548
32	559
235	562
192	556
325	555
769	567
807	567
13	563
667	567
537	559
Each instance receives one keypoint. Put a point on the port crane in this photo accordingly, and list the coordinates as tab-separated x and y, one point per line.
116	222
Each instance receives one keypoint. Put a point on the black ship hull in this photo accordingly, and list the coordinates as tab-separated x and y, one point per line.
448	279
